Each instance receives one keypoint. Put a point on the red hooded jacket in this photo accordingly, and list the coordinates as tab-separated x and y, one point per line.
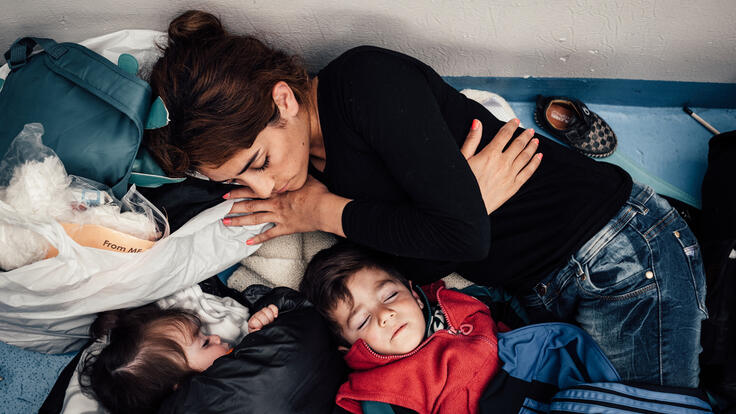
446	373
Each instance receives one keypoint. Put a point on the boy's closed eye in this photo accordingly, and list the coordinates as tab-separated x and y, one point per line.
389	298
364	322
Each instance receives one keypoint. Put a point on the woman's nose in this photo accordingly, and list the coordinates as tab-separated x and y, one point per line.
215	339
262	187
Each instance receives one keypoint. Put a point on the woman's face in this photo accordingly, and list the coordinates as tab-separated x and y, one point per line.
278	160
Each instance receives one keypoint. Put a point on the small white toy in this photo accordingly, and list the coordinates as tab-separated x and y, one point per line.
39	187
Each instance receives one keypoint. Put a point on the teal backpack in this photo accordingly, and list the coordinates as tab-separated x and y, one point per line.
93	111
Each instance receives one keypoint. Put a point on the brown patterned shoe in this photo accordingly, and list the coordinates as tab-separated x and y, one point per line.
572	122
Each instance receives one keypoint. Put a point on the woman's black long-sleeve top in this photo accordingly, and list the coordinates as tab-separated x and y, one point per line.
392	130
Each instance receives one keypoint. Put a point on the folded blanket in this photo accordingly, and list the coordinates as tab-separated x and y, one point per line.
281	262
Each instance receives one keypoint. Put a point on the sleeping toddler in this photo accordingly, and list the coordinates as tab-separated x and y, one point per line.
402	351
160	360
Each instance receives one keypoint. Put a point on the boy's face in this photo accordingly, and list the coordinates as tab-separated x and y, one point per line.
384	313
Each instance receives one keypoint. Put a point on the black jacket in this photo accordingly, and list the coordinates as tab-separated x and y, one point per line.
289	366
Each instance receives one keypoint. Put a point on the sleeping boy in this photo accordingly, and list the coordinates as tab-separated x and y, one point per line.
402	351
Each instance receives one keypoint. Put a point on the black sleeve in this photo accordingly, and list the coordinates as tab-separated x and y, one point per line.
182	201
285	299
393	108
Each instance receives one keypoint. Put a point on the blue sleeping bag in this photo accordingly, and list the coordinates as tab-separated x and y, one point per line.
539	360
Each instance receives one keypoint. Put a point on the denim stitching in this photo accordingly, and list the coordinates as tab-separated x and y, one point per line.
554	289
690	254
660	340
622	219
644	196
613	230
660	225
629	295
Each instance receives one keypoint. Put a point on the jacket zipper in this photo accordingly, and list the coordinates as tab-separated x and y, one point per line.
454	331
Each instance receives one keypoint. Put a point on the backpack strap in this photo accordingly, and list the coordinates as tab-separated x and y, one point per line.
21	49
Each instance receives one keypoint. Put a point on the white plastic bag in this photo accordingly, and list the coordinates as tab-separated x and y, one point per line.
48	306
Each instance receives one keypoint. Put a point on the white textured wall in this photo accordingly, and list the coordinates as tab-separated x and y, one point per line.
686	40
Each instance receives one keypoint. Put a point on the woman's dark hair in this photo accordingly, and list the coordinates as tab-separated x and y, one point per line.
217	87
142	363
325	279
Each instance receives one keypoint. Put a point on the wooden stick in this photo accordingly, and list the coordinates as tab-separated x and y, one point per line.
700	120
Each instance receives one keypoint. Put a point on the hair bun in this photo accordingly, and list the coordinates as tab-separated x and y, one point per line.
195	26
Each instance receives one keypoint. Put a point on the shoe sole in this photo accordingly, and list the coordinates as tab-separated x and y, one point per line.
587	154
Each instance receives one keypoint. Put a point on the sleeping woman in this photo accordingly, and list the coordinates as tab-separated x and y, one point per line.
379	149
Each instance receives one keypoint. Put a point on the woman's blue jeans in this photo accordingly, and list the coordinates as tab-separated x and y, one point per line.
638	288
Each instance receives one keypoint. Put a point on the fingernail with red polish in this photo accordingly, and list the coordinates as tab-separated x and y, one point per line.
226	221
475	125
539	155
535	141
531	130
250	242
226	196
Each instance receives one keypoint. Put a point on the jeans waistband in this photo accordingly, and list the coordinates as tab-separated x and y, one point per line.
641	194
636	204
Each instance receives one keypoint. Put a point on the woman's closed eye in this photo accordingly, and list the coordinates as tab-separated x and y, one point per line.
264	166
206	343
266	163
390	297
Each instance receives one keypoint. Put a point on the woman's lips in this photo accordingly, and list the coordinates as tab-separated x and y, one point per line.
283	189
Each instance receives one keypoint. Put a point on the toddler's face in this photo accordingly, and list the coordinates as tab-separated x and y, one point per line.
202	350
384	313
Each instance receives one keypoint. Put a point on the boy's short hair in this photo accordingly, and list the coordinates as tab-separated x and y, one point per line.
327	274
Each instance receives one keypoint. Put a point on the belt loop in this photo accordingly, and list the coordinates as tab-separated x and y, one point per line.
579	271
641	198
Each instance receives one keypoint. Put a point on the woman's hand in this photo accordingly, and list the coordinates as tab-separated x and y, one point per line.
262	318
500	173
312	207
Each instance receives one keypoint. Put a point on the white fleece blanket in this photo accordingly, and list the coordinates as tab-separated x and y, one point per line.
282	261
